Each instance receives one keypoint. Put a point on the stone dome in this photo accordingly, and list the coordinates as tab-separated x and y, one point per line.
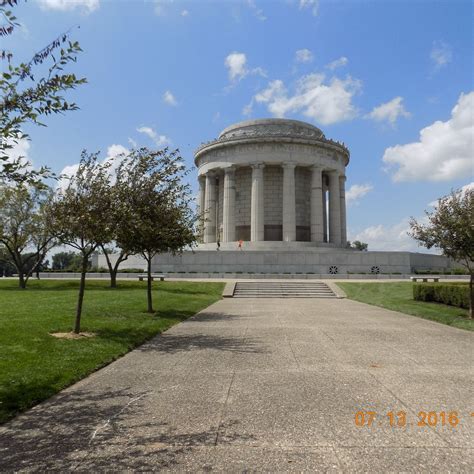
271	128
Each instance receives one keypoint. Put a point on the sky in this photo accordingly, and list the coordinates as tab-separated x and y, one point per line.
393	80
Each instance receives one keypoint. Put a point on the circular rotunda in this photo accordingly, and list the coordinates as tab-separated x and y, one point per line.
272	180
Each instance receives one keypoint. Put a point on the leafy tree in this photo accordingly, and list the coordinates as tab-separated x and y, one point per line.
66	260
359	245
6	266
27	98
78	212
25	232
451	228
113	264
155	213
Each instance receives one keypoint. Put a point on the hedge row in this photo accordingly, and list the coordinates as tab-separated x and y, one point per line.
452	294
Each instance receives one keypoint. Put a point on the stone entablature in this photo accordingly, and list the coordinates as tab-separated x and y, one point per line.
272	180
282	132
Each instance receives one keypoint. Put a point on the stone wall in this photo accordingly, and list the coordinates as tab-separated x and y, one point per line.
303	204
311	261
243	184
273	202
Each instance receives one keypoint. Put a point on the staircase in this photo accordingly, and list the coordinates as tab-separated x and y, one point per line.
287	289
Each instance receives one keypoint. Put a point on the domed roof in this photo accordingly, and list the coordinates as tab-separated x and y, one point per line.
271	127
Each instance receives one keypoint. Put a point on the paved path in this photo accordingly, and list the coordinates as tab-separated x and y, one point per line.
263	385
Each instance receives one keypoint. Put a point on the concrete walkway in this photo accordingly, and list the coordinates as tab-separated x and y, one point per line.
264	385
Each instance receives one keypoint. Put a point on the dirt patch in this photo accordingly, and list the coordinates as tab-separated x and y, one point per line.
72	335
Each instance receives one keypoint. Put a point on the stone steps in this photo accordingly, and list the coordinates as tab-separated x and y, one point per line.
282	290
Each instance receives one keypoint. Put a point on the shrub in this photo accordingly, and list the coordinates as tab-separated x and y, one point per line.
453	294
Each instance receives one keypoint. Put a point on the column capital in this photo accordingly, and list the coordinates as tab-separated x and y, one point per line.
229	170
289	166
257	166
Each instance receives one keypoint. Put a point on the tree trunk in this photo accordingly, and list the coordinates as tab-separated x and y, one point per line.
21	280
471	295
149	296
113	278
77	324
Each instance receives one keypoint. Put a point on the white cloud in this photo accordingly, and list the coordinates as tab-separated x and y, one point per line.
19	151
356	192
160	6
311	5
258	12
169	98
389	111
132	142
303	56
87	6
185	13
113	152
236	63
441	54
158	140
445	149
462	190
388	237
324	102
342	61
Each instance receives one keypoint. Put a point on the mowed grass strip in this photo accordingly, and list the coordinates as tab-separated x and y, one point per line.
34	365
398	296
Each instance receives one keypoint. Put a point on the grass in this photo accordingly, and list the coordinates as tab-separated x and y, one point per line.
399	297
35	365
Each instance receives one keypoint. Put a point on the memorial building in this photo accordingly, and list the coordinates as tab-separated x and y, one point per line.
273	180
272	198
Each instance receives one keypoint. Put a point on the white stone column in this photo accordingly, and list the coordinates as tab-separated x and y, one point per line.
289	203
334	209
325	210
228	217
201	203
256	206
342	195
210	208
317	206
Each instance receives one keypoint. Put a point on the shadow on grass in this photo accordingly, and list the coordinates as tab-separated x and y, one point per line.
105	429
17	396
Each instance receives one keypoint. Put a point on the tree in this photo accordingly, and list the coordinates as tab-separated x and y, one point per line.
25	232
113	266
155	213
25	98
66	261
359	245
6	266
451	228
78	212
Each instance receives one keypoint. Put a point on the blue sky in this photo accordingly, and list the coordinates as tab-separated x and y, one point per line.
373	74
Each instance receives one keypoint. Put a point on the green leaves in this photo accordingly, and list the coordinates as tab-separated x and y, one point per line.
26	99
450	227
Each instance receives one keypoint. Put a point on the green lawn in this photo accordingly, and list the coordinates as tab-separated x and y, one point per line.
399	297
35	365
